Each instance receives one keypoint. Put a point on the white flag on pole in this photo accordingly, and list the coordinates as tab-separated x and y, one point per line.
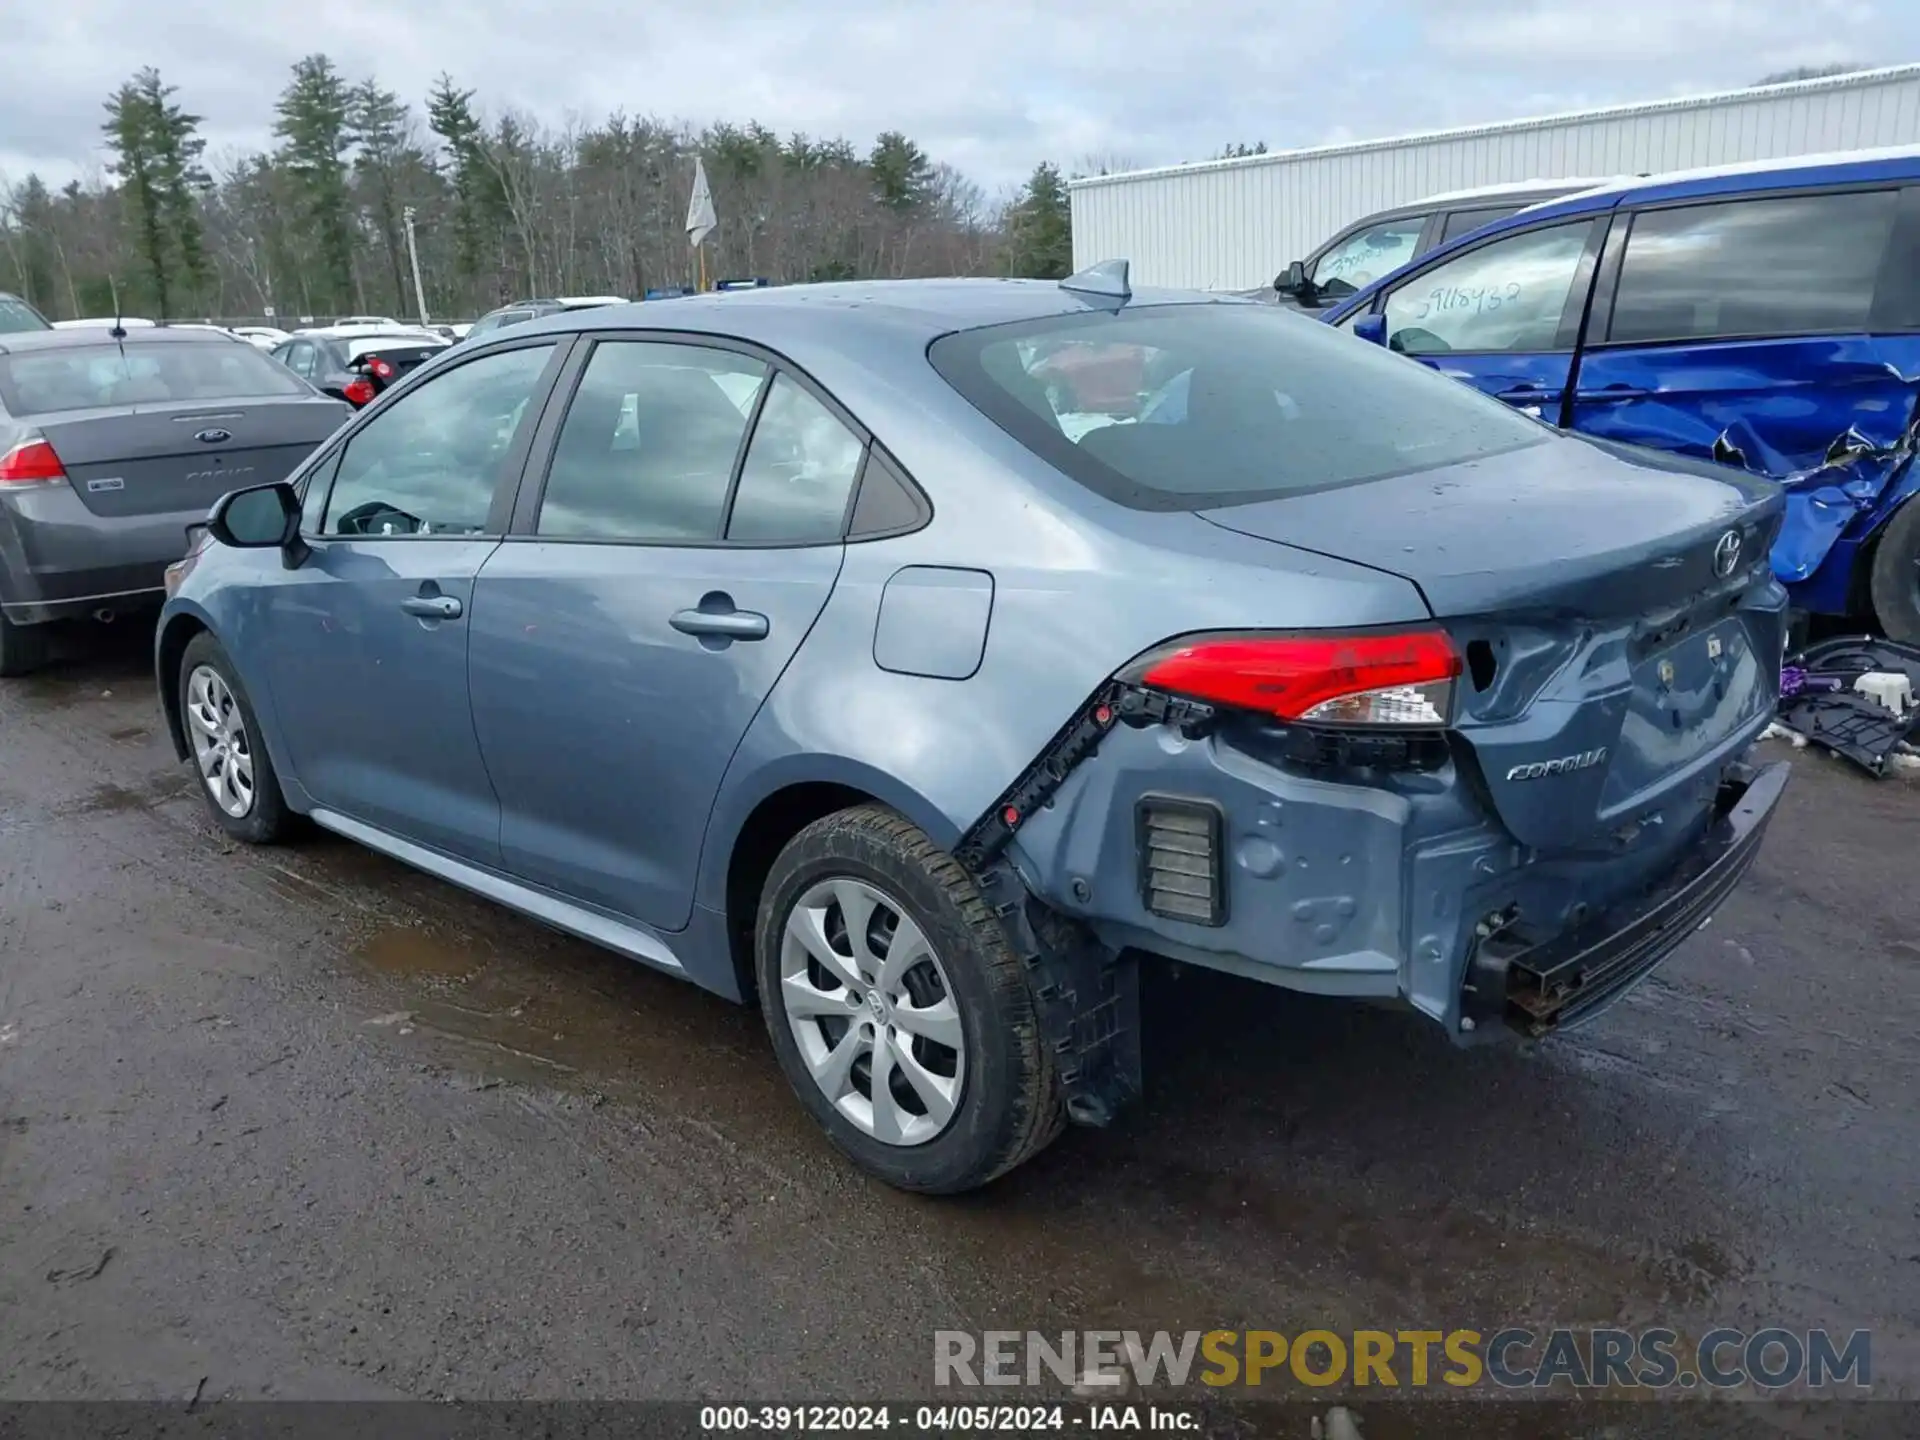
700	216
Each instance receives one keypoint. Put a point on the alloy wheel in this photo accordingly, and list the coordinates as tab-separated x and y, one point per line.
872	1012
221	746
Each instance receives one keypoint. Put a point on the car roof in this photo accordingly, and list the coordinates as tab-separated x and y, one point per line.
921	309
74	337
1892	162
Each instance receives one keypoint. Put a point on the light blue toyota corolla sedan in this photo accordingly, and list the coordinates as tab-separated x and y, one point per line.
923	658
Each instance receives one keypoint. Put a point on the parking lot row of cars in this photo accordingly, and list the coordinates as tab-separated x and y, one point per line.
921	658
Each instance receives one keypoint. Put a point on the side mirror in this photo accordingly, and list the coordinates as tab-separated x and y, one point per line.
1371	327
1293	280
264	517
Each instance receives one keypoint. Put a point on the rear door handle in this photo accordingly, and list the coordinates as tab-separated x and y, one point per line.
432	607
726	624
1524	394
1613	392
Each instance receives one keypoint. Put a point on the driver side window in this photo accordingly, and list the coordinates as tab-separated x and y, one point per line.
428	464
1363	258
1507	296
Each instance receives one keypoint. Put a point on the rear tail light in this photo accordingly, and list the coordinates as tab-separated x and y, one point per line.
1401	677
359	392
380	368
31	461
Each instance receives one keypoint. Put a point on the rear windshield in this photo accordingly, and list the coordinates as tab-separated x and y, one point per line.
1177	407
87	377
16	315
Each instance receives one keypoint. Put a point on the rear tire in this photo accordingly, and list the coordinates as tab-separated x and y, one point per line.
1894	580
931	959
228	754
23	648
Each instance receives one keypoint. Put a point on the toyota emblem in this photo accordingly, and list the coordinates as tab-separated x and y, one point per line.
1726	554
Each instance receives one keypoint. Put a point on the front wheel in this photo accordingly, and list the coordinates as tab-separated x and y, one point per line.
899	1012
236	773
1894	581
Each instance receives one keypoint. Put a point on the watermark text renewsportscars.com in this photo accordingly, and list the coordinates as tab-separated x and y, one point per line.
1513	1358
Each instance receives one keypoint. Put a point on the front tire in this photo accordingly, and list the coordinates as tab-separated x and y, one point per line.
1894	581
237	779
898	1010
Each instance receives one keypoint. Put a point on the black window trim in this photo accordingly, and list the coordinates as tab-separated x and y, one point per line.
1602	320
1566	335
512	470
524	525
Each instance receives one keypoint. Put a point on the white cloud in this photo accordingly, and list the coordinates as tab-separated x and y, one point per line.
991	86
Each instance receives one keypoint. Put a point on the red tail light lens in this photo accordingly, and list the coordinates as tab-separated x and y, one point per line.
31	462
1369	678
381	369
359	392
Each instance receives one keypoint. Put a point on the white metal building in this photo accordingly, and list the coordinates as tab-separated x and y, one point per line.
1233	224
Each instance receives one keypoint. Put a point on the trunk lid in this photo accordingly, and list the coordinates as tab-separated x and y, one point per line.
1614	654
162	459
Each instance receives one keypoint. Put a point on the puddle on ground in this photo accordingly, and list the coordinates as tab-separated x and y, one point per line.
421	952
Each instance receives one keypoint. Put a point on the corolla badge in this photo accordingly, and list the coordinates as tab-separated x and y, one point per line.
213	436
1726	554
1565	765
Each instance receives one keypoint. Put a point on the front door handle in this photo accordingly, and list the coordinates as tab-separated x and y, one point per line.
723	624
432	607
1524	394
1613	392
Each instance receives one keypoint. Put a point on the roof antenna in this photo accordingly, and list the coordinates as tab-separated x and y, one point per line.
119	331
1108	280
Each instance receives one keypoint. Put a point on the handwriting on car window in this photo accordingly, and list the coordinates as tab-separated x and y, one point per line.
1471	299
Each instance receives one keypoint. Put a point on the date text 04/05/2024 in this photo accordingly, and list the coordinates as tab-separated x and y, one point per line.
943	1419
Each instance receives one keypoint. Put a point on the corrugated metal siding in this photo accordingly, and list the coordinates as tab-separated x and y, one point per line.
1232	224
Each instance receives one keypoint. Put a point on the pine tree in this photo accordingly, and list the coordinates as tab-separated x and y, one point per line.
312	127
377	125
902	174
157	147
1040	228
450	116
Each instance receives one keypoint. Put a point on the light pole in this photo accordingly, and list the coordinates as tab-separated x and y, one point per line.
413	255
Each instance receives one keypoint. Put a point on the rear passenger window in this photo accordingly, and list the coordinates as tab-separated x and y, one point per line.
1462	221
649	443
1507	295
1799	265
799	471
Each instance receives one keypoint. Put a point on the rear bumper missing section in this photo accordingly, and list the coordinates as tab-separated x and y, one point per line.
1540	987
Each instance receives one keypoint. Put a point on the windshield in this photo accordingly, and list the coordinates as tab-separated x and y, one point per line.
87	377
16	315
1178	407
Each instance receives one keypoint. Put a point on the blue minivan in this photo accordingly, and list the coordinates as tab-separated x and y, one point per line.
1764	315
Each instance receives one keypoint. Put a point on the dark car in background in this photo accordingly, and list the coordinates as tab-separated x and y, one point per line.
1387	239
355	364
111	445
524	310
17	315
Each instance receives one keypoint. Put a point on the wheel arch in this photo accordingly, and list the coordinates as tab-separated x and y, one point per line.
170	645
755	824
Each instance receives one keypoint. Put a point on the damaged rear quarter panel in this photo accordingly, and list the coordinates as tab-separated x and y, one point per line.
1829	417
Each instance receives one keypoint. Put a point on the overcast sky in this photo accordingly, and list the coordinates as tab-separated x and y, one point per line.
991	86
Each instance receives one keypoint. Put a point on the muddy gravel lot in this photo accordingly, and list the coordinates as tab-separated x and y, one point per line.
303	1123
